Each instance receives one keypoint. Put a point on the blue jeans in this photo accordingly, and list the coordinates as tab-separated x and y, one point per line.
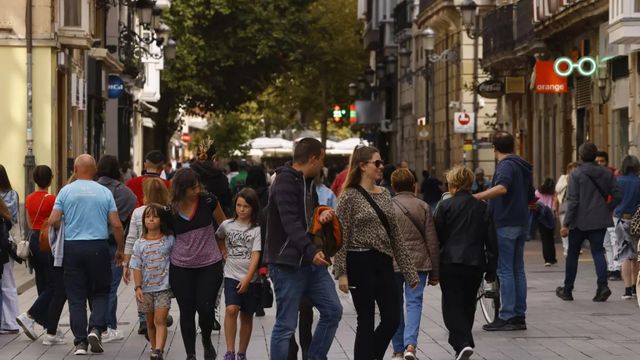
596	240
290	284
513	280
407	333
116	276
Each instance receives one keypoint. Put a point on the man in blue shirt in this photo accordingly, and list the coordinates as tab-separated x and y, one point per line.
511	192
88	208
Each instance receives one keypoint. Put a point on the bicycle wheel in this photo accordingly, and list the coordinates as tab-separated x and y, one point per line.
489	298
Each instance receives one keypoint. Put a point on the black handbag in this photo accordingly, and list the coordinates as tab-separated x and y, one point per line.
266	296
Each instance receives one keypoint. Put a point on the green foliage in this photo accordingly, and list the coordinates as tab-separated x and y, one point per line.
230	50
230	133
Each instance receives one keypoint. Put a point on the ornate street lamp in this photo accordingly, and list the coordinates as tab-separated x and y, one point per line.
469	12
353	90
369	75
144	10
380	70
428	39
362	83
170	49
391	64
405	58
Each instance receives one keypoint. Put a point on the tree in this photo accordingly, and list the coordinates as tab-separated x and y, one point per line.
229	51
328	62
230	133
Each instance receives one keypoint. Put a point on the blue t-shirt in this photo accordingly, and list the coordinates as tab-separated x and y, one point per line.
86	206
630	189
152	257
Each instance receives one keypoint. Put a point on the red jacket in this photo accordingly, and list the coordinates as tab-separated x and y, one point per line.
135	185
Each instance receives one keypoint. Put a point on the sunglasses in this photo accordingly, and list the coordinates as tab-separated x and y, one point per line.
377	163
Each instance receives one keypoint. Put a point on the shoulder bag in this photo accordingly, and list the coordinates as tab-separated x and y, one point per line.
381	215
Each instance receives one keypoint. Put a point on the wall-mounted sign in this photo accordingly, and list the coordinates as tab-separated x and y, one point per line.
547	80
463	123
116	87
514	85
491	89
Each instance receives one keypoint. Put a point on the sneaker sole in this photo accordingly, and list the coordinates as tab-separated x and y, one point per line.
80	352
52	343
504	328
410	357
95	343
31	335
465	354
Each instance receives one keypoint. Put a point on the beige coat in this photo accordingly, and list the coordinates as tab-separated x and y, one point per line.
425	254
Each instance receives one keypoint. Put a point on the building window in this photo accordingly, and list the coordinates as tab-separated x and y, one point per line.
72	13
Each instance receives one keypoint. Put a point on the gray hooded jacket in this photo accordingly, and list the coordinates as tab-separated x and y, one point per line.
587	208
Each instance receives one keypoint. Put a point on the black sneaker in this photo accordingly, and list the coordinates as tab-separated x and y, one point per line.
142	330
169	320
81	348
499	325
602	294
465	354
562	294
95	341
519	322
614	276
157	355
209	351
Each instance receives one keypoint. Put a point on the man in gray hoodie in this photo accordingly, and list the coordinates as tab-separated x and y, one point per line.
592	194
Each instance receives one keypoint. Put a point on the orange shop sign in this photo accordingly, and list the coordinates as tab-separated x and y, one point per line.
547	80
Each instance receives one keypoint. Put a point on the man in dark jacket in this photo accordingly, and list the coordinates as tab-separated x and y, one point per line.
213	179
297	267
593	193
510	194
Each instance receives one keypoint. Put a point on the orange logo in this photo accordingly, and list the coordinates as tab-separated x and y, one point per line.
547	80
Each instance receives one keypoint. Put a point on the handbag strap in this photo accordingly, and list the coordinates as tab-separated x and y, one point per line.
383	218
600	190
34	219
409	216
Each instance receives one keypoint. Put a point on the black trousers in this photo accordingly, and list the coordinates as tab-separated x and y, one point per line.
39	261
305	325
371	274
459	284
548	244
47	308
87	276
195	289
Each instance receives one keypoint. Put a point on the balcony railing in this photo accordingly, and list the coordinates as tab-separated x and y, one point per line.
402	16
425	4
525	28
498	36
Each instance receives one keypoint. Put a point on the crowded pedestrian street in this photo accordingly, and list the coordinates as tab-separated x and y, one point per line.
319	179
574	330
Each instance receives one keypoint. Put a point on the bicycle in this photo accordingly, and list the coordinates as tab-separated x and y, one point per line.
489	299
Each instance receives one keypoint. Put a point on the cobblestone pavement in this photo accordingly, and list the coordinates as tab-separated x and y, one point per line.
580	329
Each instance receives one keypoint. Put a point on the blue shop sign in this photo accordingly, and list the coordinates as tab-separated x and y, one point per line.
116	86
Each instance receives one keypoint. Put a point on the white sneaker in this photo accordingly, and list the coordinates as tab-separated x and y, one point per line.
397	356
111	335
465	354
57	339
27	324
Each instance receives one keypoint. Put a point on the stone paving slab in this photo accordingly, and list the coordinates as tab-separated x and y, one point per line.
576	330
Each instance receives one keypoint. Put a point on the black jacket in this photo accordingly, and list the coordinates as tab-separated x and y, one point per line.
287	241
5	245
215	182
466	232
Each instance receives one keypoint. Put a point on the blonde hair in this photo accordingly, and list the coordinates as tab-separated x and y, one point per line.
155	191
460	177
361	154
402	180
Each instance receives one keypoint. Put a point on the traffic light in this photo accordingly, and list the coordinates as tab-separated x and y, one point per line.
337	113
352	114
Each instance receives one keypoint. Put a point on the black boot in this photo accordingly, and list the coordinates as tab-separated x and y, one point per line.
602	294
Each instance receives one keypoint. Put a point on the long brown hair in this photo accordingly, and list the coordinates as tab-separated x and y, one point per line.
4	211
155	191
361	154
